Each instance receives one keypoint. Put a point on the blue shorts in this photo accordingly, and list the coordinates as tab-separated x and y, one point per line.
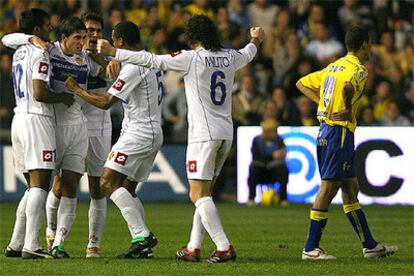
335	152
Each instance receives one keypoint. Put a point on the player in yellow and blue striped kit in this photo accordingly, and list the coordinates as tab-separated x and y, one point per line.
337	90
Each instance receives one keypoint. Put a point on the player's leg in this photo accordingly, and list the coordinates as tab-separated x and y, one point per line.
96	217
355	215
131	187
66	212
35	209
330	143
52	206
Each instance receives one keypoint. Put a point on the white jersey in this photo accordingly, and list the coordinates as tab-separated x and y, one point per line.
140	90
208	79
29	63
99	120
77	66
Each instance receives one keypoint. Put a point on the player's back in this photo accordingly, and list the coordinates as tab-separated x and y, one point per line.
29	63
140	90
332	81
208	87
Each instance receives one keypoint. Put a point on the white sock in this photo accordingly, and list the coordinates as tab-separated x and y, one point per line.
211	222
140	207
52	205
19	230
96	215
35	213
197	232
66	217
129	210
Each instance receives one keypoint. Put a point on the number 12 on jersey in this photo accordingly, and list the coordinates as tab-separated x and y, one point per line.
17	79
214	84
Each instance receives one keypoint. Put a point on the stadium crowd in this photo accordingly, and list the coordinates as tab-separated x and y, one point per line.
301	36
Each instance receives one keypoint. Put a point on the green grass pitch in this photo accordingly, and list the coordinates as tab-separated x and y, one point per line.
268	241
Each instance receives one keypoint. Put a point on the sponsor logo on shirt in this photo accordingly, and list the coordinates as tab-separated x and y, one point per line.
43	68
175	54
192	166
121	158
48	155
118	84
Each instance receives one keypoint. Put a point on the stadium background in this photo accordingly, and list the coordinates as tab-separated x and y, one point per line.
302	36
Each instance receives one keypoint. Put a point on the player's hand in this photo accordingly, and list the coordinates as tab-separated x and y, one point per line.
113	68
341	115
105	48
39	43
257	32
71	84
67	99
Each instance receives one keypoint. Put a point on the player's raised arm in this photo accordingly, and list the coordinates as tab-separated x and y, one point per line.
100	100
245	55
15	40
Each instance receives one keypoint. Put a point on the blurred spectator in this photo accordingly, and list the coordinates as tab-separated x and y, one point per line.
278	34
246	104
366	117
402	33
306	111
307	29
174	111
324	48
389	62
407	104
200	7
355	12
381	99
68	8
136	12
115	16
268	161
286	58
237	14
392	116
269	110
229	32
302	69
287	111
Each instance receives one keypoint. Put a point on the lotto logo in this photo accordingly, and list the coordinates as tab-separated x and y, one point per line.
48	156
121	158
43	68
192	166
175	54
118	85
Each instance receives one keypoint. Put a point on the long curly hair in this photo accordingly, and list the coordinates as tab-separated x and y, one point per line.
201	29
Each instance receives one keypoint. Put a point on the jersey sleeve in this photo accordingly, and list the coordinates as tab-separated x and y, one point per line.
127	80
243	56
179	61
15	40
313	80
41	66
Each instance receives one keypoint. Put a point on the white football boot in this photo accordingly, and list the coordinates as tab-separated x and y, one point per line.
379	251
317	254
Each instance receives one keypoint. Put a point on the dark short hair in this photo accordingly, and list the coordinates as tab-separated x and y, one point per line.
355	37
32	18
92	16
128	31
201	29
71	26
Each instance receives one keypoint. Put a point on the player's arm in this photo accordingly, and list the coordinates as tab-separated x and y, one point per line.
179	61
345	114
41	93
100	100
246	55
310	84
17	39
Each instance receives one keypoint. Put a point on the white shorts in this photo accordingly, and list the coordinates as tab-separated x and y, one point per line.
134	157
33	142
72	147
98	150
206	159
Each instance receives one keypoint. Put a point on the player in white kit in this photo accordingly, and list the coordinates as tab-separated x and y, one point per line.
33	133
131	158
208	72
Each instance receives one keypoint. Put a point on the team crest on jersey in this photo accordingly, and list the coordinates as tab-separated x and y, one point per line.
79	61
47	156
192	166
118	85
121	158
361	75
175	53
43	68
